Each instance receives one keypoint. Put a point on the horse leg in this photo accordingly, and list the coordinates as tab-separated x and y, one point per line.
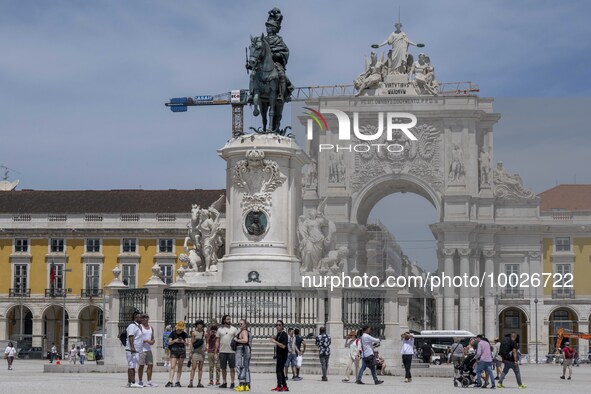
272	104
264	109
255	101
278	114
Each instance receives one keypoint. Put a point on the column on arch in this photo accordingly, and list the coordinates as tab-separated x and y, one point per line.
490	329
449	309
465	302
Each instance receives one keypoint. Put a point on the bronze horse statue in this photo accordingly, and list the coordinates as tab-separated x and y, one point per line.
265	85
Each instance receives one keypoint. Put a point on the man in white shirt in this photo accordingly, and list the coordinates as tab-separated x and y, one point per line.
146	357
224	337
407	351
133	349
367	357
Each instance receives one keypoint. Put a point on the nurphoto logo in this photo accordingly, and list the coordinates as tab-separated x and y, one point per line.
402	121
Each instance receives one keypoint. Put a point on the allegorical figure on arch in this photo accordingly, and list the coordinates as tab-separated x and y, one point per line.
316	235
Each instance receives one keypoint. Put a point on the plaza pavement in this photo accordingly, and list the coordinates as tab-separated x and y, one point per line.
27	377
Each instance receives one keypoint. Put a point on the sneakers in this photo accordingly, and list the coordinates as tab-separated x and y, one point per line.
136	386
284	388
522	386
239	388
406	381
277	389
379	382
345	380
324	379
141	383
150	384
247	388
359	382
223	386
169	384
568	378
199	385
297	378
500	385
177	384
231	386
128	385
562	377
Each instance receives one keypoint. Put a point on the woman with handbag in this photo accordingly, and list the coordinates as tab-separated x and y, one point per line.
9	354
198	353
368	359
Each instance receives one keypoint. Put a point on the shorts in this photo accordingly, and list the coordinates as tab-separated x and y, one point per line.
146	358
197	357
227	358
291	360
132	359
178	354
568	362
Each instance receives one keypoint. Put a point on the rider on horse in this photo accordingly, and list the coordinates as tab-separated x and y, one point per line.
280	53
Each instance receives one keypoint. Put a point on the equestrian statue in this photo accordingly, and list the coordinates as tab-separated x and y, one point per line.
269	88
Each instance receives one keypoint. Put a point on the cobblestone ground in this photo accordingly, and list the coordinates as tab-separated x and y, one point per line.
27	377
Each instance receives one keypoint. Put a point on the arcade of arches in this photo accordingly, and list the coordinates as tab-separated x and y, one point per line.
44	327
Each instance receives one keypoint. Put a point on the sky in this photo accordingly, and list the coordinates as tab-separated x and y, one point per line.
83	84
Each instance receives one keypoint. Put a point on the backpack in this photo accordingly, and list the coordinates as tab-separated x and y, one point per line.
505	348
123	337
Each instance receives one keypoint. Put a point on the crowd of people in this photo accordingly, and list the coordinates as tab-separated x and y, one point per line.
481	359
229	347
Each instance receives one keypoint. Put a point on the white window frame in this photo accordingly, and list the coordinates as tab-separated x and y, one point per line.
130	284
51	245
100	274
58	265
563	268
166	239
27	277
27	242
123	245
100	248
570	245
162	273
512	268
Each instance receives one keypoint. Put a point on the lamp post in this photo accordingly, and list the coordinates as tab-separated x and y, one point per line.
21	301
64	310
536	324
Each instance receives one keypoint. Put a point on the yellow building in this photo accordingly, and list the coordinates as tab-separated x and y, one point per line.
56	243
567	254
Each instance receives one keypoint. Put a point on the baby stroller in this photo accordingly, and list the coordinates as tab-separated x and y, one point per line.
464	373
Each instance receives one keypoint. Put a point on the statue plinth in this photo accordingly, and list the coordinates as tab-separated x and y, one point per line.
262	193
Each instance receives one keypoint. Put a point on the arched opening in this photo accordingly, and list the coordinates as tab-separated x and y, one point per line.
397	213
20	324
514	320
564	318
90	320
53	325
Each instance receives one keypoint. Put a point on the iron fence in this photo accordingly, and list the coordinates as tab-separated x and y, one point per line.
131	300
169	310
362	308
261	308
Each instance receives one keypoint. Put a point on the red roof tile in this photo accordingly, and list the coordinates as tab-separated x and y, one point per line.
567	197
105	201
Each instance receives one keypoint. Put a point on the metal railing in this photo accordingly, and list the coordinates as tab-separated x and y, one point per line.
362	308
262	308
54	292
512	293
19	292
566	293
131	300
88	293
169	310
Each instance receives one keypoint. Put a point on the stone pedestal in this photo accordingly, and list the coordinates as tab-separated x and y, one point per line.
263	190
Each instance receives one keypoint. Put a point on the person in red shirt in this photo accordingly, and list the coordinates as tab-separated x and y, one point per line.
569	354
